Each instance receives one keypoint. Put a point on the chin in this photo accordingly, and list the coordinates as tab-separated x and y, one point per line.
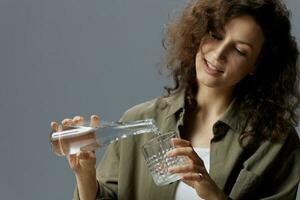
209	83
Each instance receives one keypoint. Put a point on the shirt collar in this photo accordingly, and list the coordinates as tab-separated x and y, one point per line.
230	117
176	103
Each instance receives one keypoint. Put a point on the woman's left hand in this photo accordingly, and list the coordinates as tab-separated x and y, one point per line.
194	173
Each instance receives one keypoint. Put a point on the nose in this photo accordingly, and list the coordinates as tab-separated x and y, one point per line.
219	51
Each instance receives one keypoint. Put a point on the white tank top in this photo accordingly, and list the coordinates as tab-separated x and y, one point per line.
184	191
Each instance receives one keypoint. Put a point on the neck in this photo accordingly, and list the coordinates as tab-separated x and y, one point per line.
213	101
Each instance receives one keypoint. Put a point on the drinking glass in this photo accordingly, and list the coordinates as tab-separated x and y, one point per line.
158	162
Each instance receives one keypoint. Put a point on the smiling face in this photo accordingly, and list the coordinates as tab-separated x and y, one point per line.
226	56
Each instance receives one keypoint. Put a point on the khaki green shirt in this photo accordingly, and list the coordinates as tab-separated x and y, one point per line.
271	172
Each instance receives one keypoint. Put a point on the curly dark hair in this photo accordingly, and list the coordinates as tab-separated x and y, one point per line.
269	100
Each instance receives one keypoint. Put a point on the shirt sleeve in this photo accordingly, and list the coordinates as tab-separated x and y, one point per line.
107	175
286	180
271	173
108	169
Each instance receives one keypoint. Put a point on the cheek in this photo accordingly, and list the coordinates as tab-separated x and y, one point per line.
239	69
204	47
199	59
202	52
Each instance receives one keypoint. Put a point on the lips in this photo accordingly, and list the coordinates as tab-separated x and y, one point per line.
212	69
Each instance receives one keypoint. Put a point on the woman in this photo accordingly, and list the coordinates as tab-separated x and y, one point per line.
234	63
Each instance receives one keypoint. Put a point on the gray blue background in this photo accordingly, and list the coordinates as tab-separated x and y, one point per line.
62	58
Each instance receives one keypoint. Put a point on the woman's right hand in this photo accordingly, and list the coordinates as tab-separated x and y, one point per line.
83	164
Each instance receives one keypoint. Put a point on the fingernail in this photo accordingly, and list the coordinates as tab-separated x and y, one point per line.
170	169
54	125
169	153
76	119
94	121
95	117
172	141
60	128
66	122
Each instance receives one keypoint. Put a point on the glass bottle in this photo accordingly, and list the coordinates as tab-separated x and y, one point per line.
85	137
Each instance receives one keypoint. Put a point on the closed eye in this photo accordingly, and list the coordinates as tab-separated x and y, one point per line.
241	53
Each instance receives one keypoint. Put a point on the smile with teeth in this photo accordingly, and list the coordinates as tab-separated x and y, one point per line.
213	68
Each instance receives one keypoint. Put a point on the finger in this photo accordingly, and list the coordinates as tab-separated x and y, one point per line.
78	120
85	155
178	142
66	123
189	168
60	128
186	151
54	126
72	159
95	120
192	177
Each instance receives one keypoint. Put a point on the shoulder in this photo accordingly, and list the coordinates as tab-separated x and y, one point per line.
294	135
144	110
292	142
155	108
288	141
288	144
276	163
280	152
